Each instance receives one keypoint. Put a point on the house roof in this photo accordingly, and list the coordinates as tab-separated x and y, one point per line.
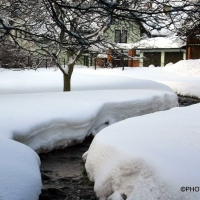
155	43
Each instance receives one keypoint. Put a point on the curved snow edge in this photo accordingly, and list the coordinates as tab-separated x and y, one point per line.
60	134
154	156
20	171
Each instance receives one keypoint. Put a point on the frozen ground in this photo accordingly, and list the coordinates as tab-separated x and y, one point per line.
48	118
151	157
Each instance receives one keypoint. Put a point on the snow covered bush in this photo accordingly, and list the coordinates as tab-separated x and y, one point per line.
12	56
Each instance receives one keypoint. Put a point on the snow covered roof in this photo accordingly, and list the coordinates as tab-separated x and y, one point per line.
102	55
155	43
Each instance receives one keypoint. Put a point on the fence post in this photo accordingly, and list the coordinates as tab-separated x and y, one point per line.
28	61
122	60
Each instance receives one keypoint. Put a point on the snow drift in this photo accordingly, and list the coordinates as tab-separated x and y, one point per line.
56	120
182	77
20	177
153	156
45	121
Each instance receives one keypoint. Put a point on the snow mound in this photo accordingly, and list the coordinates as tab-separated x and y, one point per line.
168	64
154	156
55	120
151	66
185	68
19	172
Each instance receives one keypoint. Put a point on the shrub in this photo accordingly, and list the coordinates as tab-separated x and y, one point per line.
11	56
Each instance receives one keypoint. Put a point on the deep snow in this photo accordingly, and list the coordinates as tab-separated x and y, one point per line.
55	120
148	157
182	77
20	177
49	119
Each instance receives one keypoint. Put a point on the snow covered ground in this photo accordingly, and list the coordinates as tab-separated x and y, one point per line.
182	77
154	156
20	177
35	112
56	120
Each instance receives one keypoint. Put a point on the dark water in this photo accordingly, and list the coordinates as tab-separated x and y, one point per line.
63	173
187	101
64	176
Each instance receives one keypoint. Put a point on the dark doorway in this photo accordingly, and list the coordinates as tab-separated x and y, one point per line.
152	58
173	57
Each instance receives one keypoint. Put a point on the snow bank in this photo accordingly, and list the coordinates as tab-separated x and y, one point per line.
148	157
182	77
185	77
49	80
19	172
46	121
94	80
185	68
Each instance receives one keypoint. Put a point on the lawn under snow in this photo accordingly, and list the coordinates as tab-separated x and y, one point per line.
149	157
48	118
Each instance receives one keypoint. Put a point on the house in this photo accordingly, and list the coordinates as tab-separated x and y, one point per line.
159	47
159	51
118	34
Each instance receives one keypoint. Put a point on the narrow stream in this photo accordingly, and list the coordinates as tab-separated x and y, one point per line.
63	172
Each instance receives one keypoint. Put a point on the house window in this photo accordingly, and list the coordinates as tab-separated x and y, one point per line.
120	36
124	36
117	36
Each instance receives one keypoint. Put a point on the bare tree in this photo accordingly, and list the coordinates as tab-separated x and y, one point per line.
53	28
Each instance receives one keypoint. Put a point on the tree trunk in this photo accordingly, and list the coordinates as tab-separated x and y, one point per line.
67	82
